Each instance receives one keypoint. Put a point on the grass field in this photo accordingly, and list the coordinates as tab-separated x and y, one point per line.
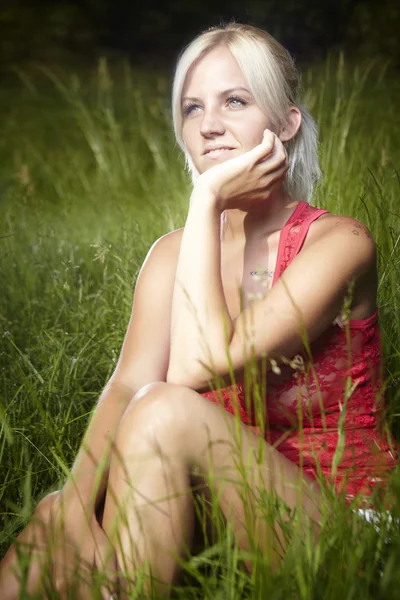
90	177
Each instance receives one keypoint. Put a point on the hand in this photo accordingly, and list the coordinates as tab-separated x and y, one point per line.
247	179
79	546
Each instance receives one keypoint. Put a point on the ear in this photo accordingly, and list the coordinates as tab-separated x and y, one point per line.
292	125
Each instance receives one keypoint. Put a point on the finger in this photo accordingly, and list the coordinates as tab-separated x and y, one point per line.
268	136
273	178
285	151
85	574
72	574
267	146
278	161
106	563
59	575
279	148
282	150
264	149
108	579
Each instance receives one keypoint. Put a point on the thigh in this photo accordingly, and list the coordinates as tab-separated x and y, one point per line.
205	533
238	465
213	438
249	475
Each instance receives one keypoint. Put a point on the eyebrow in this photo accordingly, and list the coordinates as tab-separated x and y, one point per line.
235	89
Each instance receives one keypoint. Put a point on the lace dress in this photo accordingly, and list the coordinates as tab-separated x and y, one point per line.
309	416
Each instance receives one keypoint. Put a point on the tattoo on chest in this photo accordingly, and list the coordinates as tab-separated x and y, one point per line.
263	276
261	273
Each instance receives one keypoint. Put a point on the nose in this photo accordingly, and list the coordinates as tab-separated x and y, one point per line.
211	124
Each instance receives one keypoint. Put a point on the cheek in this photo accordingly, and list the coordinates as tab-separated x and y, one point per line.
250	126
252	137
191	141
255	131
187	136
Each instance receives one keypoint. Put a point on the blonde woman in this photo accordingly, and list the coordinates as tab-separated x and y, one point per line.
255	274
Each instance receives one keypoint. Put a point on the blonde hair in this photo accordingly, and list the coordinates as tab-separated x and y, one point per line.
275	83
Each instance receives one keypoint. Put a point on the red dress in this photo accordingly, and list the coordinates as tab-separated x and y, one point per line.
308	418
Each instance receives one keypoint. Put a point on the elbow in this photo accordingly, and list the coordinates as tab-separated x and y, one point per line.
181	376
192	373
172	378
176	376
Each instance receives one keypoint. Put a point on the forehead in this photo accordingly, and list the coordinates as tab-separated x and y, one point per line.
215	71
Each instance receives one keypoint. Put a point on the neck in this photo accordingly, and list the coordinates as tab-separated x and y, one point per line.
259	221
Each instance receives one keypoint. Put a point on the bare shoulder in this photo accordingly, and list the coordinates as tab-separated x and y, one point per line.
167	246
331	233
352	232
170	238
144	355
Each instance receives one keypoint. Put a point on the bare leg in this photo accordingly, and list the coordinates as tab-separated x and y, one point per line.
166	432
149	492
205	532
33	542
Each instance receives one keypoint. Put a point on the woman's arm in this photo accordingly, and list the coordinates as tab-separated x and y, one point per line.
201	327
205	342
200	319
300	306
89	474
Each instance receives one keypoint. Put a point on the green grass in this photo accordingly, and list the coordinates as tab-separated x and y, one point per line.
90	176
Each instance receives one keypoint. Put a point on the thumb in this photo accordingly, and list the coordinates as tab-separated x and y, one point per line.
259	153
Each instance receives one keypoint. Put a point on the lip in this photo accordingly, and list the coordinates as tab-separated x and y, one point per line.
222	148
211	148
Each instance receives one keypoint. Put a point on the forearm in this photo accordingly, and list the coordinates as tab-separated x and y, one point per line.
88	479
200	322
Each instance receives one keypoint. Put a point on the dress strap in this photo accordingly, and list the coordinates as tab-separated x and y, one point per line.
293	235
310	216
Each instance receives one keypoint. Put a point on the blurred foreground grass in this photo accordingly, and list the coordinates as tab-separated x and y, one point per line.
90	177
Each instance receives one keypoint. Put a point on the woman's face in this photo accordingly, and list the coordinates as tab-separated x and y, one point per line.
219	111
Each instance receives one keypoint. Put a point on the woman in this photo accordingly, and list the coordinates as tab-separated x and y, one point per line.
274	279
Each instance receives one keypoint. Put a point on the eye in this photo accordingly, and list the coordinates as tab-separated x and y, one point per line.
236	101
189	108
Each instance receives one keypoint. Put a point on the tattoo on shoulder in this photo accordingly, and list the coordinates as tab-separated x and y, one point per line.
339	222
360	227
368	234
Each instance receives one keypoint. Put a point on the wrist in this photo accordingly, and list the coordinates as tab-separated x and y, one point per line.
206	198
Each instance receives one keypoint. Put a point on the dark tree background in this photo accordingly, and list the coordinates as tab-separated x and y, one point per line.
152	32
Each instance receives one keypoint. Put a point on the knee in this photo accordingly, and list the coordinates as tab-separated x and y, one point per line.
155	409
43	509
